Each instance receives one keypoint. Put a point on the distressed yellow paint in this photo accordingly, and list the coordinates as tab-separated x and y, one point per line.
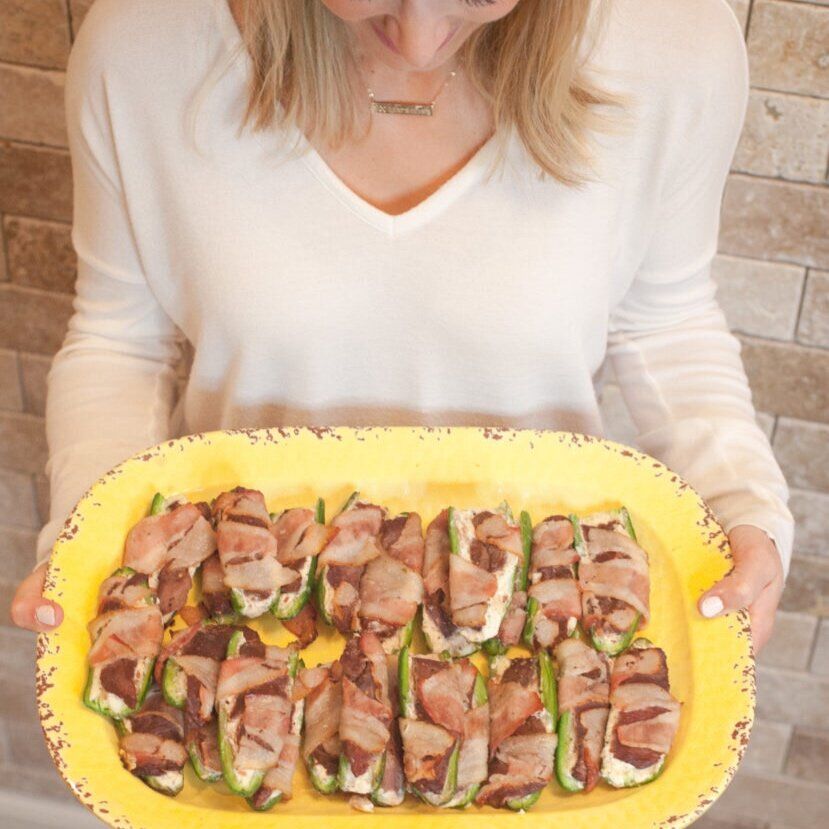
710	662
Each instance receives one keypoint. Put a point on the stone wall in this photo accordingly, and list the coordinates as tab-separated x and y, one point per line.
773	273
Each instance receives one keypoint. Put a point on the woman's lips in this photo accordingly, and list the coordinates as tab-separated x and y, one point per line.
388	42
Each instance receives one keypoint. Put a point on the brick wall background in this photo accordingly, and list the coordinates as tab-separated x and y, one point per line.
773	273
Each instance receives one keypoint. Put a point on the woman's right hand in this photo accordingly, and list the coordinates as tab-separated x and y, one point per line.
29	609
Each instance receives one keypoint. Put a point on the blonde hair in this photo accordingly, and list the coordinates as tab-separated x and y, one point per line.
529	66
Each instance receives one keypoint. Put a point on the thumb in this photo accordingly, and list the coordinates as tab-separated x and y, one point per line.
29	609
739	588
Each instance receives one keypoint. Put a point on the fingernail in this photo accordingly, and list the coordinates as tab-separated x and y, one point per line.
711	606
45	614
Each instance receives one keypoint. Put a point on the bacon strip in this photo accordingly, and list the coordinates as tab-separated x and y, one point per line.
583	689
168	548
644	715
614	580
215	594
153	740
553	582
323	706
522	743
255	692
247	547
366	713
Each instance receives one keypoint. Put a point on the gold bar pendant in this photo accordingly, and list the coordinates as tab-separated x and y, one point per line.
401	108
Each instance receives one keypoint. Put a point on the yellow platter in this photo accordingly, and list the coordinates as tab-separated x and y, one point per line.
711	664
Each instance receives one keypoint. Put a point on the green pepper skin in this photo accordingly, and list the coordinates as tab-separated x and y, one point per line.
450	786
157	504
319	511
155	783
100	708
549	691
170	684
566	737
349	502
404	684
300	598
209	776
273	798
320	590
526	525
522	804
454	539
234	783
377	775
323	782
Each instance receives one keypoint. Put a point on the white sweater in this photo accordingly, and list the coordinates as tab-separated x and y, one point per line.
494	301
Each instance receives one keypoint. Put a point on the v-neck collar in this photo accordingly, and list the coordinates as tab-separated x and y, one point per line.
393	225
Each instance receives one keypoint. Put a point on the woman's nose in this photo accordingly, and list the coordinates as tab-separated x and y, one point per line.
420	34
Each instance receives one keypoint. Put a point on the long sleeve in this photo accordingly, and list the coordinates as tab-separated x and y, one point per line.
676	362
111	387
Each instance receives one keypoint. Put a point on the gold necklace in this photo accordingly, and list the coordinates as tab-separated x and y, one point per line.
408	107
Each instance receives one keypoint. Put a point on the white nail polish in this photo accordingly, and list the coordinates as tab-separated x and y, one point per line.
45	614
712	606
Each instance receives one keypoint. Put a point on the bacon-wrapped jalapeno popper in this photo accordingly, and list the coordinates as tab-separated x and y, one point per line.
300	535
188	672
321	687
366	714
215	595
151	744
391	787
370	573
515	619
554	600
644	717
442	635
168	546
257	714
126	639
614	580
247	550
522	742
444	726
486	553
584	704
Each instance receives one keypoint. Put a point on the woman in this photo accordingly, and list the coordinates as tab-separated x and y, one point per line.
546	196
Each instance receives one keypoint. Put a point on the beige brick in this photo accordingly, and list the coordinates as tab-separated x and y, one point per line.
767	749
788	379
35	181
34	370
34	32
42	497
788	47
784	136
22	442
792	803
740	9
10	396
40	254
31	105
17	552
777	220
811	518
809	756
820	658
807	587
4	274
757	297
791	643
27	745
17	500
40	783
802	449
813	328
17	651
790	697
78	9
33	321
712	820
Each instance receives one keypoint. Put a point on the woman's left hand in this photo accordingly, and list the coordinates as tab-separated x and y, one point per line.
755	582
